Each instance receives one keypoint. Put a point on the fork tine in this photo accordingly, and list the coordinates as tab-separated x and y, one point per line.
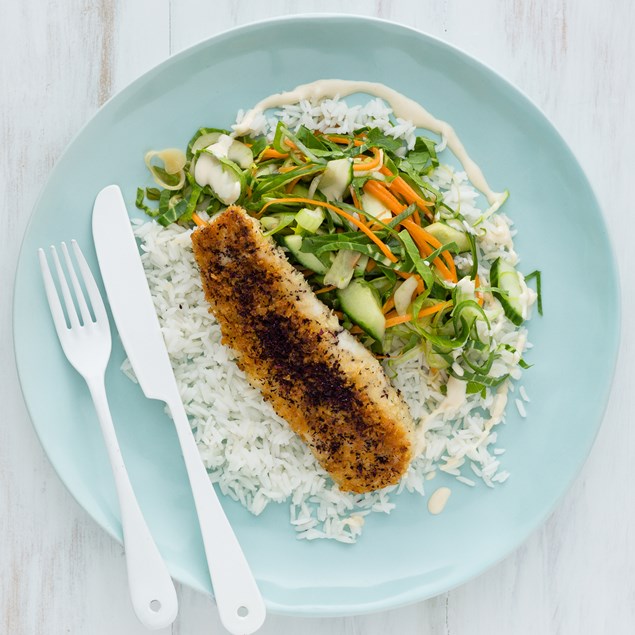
79	294
66	292
51	295
91	286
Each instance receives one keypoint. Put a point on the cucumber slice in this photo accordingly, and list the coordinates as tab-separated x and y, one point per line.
375	207
360	301
505	277
240	153
336	177
224	147
300	191
203	138
445	234
342	269
310	261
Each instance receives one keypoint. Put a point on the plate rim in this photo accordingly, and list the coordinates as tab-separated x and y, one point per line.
391	601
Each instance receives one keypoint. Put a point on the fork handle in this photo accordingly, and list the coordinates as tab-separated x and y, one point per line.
151	588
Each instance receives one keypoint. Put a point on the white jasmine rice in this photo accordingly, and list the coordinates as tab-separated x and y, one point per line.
523	394
250	452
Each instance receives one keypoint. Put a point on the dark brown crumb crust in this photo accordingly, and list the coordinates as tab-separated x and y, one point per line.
295	359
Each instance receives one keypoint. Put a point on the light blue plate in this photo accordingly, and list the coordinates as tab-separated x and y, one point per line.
409	555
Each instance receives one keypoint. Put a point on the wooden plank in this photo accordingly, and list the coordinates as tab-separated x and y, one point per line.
60	572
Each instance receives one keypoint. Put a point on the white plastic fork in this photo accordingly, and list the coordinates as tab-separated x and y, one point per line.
87	344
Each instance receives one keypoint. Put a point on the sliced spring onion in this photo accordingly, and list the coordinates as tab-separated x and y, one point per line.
277	222
203	138
537	274
171	175
342	269
310	219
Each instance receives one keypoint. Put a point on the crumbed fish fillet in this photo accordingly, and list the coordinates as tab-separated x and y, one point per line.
325	383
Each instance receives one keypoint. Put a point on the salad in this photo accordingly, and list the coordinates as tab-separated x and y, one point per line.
359	216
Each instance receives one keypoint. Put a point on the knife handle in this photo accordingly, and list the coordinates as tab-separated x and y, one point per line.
240	604
151	588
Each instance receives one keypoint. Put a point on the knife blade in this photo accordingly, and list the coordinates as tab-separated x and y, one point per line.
240	604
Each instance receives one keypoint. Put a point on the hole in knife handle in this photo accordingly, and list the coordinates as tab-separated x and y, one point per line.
242	611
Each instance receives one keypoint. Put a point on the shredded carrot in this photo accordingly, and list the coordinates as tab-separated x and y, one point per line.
351	219
283	169
356	330
380	192
292	184
478	294
290	143
390	304
400	186
198	220
357	204
339	314
372	164
394	319
409	274
337	139
343	140
270	153
449	269
371	265
421	237
354	197
325	289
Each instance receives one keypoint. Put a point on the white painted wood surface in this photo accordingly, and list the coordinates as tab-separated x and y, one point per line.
60	573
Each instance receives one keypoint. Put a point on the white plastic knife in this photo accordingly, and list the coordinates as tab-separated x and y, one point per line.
240	604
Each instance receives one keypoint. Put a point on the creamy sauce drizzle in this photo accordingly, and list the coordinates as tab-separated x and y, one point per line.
438	500
401	105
